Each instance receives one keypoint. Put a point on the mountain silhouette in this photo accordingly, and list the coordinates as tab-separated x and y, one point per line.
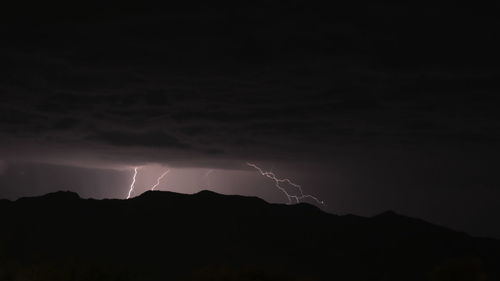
163	235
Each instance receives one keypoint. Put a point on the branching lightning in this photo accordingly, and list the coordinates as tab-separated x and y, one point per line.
278	182
207	179
269	174
159	179
208	173
133	182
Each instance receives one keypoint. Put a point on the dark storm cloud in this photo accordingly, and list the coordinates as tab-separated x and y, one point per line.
3	166
217	80
154	139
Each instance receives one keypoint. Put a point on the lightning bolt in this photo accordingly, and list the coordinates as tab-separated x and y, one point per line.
278	181
159	179
133	182
208	173
207	178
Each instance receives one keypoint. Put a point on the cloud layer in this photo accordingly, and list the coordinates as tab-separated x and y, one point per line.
216	83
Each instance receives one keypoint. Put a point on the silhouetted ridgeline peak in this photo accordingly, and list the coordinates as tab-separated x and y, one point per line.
161	235
62	197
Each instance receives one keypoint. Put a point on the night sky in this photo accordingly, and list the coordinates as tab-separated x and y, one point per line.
368	106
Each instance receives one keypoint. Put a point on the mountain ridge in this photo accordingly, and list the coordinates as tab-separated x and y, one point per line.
157	195
228	234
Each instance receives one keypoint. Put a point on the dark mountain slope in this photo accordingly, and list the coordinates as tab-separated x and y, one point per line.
208	236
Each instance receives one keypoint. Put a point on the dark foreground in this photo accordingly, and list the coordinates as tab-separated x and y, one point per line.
208	236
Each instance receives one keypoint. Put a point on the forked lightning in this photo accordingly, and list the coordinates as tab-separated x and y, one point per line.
132	185
159	179
278	181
